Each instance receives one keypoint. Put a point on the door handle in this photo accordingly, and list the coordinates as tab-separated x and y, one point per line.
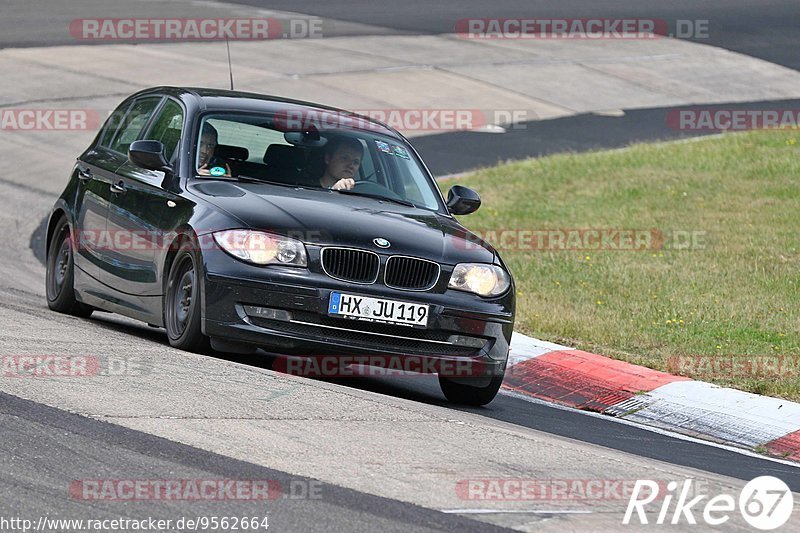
118	188
84	174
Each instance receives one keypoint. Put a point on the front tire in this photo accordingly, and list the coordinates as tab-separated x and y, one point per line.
60	277
468	394
182	301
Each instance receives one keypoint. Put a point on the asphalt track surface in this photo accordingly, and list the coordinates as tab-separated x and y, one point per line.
767	30
451	153
602	431
599	430
42	447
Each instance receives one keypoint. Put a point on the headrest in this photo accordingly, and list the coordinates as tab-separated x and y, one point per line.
284	155
227	151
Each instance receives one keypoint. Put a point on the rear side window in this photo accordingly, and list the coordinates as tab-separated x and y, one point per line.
132	123
167	128
112	124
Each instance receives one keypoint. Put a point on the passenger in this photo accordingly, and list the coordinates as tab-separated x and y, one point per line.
208	164
342	159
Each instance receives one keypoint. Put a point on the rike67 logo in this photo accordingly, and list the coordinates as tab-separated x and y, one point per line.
766	503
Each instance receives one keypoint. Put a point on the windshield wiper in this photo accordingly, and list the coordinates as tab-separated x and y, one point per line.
406	203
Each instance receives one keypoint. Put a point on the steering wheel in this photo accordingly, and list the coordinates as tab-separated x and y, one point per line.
370	187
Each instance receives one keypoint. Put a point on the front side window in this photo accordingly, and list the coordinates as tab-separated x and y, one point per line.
167	128
132	123
360	160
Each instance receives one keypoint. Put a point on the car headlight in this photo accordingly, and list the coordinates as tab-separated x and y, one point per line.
262	248
482	279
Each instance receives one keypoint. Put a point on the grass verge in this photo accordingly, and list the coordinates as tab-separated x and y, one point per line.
714	294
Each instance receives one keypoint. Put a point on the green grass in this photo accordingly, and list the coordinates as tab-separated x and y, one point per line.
738	294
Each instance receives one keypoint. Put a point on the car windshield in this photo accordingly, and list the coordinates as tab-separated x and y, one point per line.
314	154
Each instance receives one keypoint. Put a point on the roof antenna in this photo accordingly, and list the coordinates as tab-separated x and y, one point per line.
230	68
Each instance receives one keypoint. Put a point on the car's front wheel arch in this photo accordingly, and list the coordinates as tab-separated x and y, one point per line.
172	250
183	282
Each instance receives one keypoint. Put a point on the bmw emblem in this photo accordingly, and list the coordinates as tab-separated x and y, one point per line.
381	243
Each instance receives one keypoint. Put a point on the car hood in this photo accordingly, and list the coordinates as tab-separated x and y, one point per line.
319	216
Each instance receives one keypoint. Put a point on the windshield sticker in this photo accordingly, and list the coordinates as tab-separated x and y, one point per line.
383	147
399	151
217	171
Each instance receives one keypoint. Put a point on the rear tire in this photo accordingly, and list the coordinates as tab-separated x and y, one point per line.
468	394
60	277
182	311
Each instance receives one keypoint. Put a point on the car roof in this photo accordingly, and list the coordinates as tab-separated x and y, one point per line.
226	100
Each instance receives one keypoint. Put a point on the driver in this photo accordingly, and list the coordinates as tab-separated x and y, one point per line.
208	164
342	159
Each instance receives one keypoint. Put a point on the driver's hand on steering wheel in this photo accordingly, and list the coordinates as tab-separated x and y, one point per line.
344	183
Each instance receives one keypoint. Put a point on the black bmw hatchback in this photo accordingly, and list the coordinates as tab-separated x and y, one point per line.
246	221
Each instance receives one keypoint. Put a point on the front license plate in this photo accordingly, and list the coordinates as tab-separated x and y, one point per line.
377	309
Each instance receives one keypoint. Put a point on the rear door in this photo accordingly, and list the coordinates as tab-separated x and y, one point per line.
91	208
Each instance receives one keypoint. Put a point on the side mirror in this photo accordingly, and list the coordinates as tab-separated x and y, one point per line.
149	155
462	200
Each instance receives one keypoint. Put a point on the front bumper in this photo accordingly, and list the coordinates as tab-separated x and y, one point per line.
284	309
